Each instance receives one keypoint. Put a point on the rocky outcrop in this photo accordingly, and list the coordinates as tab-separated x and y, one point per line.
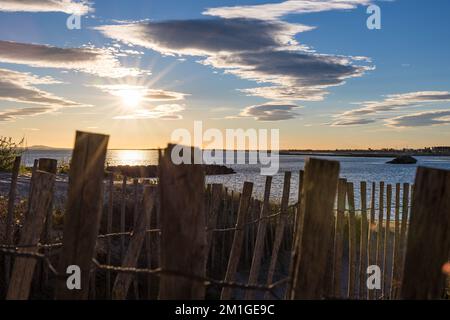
403	160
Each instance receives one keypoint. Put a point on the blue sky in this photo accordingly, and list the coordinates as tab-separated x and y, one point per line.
395	95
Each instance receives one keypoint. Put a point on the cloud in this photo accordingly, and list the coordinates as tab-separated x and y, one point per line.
352	122
204	37
261	51
20	87
144	92
271	11
162	112
14	114
397	101
101	62
271	111
422	119
297	75
390	104
65	6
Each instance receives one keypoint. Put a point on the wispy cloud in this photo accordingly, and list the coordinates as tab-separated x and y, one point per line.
162	112
145	93
261	51
270	11
352	122
18	113
271	111
421	119
365	114
65	6
97	61
21	87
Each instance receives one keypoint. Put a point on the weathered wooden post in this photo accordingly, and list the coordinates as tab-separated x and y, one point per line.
298	228
135	215
387	233
396	247
124	280
339	237
260	238
428	237
183	234
9	229
403	232
372	237
236	247
321	178
109	226
379	254
279	232
123	207
40	200
83	213
50	166
351	241
363	247
216	197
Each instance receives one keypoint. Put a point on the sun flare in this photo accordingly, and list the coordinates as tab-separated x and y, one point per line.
131	97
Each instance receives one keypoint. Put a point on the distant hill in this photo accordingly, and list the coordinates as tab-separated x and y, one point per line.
42	147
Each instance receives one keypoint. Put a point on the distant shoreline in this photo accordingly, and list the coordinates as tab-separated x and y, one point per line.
331	153
362	154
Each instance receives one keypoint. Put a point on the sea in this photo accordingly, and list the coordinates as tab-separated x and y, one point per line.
354	169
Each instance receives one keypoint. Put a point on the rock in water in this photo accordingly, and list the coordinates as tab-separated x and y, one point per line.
403	160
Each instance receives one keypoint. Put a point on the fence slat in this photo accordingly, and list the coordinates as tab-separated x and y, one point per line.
109	222
363	247
351	241
260	238
123	208
124	280
50	166
320	184
403	230
297	230
10	224
387	232
236	247
83	213
428	237
135	215
23	269
279	232
396	246
339	237
372	240
379	254
182	228
216	198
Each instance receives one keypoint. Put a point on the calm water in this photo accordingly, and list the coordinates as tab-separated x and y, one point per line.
354	169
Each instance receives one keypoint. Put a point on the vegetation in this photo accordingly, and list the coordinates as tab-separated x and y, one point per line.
9	150
63	166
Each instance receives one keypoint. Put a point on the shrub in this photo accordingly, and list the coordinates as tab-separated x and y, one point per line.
9	150
64	166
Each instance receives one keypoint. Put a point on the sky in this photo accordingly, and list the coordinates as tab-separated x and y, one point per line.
140	69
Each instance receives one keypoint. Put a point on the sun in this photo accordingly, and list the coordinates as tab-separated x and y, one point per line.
131	97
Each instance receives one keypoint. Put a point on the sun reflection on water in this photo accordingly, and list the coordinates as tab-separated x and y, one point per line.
132	157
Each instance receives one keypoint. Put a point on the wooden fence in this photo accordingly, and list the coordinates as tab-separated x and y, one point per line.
181	239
